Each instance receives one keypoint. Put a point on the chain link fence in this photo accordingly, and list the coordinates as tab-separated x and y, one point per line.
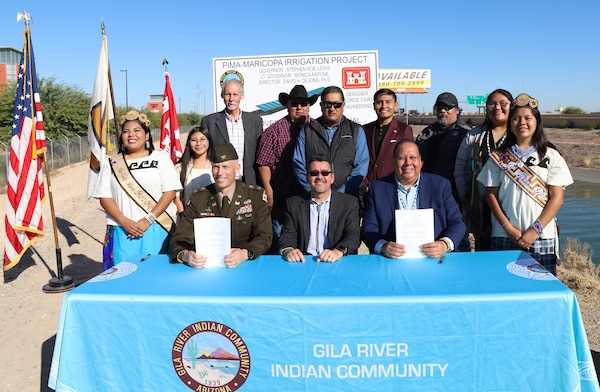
65	151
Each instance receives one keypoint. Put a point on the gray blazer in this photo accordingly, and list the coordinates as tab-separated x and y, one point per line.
253	128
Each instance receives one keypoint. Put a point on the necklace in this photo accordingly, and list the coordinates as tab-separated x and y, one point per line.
405	192
522	154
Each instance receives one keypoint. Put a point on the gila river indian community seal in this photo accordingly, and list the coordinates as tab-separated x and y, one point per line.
211	357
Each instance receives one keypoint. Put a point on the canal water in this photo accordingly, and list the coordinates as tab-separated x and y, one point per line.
579	216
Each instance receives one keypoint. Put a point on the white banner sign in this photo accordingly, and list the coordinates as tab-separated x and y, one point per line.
264	77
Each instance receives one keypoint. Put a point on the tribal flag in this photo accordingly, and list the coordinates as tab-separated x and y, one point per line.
25	191
170	141
101	113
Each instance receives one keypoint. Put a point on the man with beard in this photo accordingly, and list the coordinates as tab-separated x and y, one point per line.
440	141
321	223
232	125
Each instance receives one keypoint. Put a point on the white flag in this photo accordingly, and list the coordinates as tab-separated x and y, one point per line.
101	114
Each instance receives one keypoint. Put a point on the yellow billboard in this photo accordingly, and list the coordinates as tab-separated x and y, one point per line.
405	80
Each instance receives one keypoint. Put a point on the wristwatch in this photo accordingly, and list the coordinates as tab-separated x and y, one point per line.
445	240
342	249
251	255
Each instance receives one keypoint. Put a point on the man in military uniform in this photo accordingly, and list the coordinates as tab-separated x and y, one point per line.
245	204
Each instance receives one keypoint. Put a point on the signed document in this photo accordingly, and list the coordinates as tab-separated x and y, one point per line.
213	239
413	229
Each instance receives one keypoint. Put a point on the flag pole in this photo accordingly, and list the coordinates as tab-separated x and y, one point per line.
61	282
112	92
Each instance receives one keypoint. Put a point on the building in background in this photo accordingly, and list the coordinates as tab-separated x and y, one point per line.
9	64
155	103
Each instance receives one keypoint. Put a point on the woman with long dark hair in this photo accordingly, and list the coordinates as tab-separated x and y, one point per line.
473	153
136	189
525	187
194	167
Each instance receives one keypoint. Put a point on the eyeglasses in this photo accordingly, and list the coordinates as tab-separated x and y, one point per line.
296	103
503	104
324	173
445	107
329	105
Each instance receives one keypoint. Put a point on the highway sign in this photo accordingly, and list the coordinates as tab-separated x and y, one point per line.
476	99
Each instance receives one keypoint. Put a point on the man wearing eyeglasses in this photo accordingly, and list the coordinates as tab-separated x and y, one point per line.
321	223
439	144
275	152
336	137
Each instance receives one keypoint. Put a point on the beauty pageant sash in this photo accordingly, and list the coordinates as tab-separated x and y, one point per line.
136	192
522	175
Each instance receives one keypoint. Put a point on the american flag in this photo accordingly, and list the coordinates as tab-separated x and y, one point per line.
170	140
25	191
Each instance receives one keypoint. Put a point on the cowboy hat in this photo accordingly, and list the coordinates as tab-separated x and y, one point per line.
298	92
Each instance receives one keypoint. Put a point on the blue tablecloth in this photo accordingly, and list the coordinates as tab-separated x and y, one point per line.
488	321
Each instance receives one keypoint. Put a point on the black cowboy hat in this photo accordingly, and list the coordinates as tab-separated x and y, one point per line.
298	92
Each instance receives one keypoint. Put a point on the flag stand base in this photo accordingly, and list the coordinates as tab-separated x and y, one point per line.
56	285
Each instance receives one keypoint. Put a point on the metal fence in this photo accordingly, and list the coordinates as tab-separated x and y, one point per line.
66	151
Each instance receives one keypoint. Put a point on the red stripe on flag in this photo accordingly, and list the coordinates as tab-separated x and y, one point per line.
25	186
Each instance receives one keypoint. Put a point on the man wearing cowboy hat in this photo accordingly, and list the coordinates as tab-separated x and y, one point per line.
275	151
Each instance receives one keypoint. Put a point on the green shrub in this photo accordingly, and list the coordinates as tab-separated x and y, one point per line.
566	124
592	125
573	110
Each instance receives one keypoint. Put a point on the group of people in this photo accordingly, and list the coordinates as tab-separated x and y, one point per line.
319	186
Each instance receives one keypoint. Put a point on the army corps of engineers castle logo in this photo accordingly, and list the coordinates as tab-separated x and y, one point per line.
211	357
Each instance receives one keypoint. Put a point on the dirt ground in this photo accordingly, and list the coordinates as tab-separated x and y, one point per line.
29	316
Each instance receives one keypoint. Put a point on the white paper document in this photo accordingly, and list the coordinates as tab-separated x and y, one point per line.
213	239
413	229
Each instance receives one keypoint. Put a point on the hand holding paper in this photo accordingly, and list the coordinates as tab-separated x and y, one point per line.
413	229
213	239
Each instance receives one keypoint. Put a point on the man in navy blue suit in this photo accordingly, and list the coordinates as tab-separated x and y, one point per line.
407	188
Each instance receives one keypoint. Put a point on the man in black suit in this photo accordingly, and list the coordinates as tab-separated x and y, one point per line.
321	222
232	125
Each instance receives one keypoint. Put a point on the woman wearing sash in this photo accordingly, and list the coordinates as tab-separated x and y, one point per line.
525	187
136	189
194	167
473	153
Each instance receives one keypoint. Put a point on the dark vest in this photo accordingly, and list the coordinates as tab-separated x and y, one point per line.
342	150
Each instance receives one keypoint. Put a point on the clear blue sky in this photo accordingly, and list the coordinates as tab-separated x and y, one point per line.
548	49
